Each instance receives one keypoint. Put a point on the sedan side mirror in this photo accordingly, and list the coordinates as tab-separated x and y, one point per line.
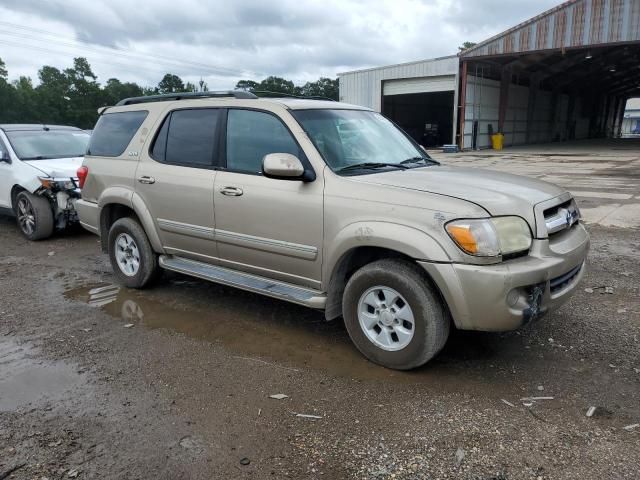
283	166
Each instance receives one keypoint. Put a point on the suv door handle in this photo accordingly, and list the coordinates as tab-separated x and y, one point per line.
231	191
146	179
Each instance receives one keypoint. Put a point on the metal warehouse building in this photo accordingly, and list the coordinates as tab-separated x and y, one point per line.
565	74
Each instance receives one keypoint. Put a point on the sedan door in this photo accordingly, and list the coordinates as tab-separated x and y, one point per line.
266	226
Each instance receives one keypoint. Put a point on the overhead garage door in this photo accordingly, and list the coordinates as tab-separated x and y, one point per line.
441	83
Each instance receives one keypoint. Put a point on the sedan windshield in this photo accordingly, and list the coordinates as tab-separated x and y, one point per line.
357	141
45	144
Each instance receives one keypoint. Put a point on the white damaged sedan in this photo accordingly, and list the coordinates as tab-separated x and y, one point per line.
38	182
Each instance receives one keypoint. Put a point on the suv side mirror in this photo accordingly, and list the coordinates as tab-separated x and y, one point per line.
282	165
4	156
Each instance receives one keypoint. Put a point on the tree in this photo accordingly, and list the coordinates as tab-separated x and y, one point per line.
114	91
466	45
278	85
323	87
4	75
171	84
247	85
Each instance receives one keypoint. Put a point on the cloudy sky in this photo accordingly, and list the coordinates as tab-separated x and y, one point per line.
223	41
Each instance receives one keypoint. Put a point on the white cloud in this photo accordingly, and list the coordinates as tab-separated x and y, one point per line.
224	41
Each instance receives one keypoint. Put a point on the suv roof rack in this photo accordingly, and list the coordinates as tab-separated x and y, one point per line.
166	97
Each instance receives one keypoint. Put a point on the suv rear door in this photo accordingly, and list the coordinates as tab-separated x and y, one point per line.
267	226
175	178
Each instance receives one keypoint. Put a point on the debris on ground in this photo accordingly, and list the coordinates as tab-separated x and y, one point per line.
73	473
459	456
245	461
507	402
534	399
279	396
51	254
304	415
591	411
608	290
631	427
588	290
128	325
540	388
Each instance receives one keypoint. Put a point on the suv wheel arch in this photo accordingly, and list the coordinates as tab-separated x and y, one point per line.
347	265
112	212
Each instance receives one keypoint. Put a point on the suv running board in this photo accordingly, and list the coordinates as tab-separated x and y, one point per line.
245	281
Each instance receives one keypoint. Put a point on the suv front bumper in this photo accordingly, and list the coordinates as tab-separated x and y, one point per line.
508	295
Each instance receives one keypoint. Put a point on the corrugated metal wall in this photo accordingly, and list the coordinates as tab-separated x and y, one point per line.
549	120
576	23
364	87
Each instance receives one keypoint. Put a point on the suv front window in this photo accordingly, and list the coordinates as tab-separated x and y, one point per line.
350	138
46	144
251	135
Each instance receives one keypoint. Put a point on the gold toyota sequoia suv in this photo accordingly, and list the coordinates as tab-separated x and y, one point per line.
331	206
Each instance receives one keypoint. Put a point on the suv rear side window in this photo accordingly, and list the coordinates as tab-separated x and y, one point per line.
113	132
251	135
187	137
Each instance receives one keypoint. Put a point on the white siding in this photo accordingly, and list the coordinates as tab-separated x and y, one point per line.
443	83
364	87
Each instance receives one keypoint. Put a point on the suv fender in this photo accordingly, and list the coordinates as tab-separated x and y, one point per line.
124	196
409	241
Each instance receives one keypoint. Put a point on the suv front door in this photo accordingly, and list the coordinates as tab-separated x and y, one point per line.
266	226
175	179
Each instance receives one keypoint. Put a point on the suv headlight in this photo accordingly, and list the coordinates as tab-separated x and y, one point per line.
490	237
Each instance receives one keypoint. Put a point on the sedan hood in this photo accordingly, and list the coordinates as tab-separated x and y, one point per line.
57	167
498	193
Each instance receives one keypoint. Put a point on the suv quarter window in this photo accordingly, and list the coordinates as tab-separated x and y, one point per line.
114	131
252	134
188	137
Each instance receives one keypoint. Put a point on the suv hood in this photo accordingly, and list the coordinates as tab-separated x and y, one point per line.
498	193
58	167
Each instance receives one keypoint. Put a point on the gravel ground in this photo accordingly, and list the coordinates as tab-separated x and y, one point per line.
174	382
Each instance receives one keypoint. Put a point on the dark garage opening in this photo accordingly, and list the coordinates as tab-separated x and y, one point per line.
427	117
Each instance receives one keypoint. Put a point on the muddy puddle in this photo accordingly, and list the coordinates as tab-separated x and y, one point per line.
250	326
28	380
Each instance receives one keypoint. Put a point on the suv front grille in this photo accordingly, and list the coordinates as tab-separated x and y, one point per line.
561	217
559	283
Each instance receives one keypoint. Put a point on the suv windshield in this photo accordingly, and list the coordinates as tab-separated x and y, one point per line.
353	141
45	144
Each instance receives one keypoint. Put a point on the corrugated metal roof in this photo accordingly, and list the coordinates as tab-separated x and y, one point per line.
576	23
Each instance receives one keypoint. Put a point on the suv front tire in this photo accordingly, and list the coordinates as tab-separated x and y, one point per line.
133	260
393	314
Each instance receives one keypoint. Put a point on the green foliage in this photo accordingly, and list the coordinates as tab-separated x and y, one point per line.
466	45
72	96
323	87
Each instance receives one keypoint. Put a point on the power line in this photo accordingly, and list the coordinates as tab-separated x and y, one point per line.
117	50
148	69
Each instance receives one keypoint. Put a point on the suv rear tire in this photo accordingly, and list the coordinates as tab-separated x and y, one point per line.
134	262
34	216
393	314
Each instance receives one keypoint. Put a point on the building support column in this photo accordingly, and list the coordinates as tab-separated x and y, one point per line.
463	101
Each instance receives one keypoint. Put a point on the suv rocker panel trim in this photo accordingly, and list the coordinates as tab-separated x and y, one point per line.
307	252
185	229
245	281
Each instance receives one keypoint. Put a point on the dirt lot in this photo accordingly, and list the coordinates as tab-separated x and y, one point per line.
174	382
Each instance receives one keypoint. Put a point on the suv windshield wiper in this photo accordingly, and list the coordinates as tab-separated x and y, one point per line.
370	165
419	160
